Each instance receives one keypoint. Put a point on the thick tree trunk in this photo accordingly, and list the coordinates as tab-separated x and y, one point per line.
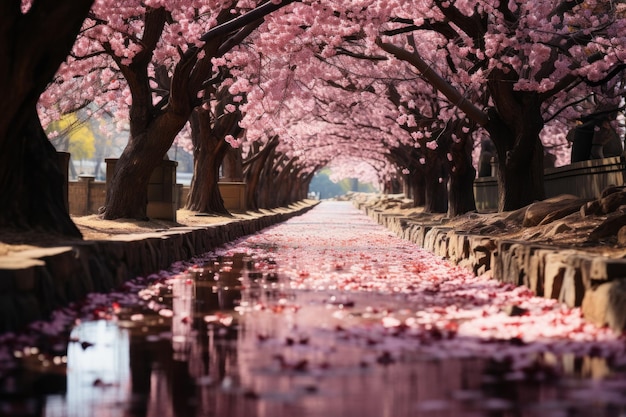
233	165
265	187
33	184
291	190
435	192
395	186
283	192
253	174
209	151
282	183
514	126
435	184
462	175
132	172
461	192
127	192
32	46
256	163
406	189
520	159
521	182
204	193
418	189
208	133
152	128
301	190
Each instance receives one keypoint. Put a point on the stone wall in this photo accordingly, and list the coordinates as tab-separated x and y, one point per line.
594	282
585	179
86	196
35	282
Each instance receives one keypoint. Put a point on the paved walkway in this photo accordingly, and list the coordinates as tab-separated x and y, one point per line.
329	314
362	323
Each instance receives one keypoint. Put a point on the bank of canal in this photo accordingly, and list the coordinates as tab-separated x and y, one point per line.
327	314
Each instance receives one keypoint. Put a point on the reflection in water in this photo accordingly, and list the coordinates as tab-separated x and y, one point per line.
232	338
183	298
97	372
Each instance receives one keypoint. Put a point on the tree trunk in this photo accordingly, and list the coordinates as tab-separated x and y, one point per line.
127	192
291	191
462	175
33	184
253	175
461	192
265	185
418	189
281	184
520	165
152	128
514	126
435	180
435	193
256	163
395	186
204	193
32	46
520	182
520	158
233	165
209	150
406	189
301	190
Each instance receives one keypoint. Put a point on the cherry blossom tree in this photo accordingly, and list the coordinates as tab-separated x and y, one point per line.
477	56
525	53
35	39
154	59
340	97
316	118
212	125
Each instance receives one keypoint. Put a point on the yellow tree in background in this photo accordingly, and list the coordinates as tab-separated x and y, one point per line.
73	135
80	136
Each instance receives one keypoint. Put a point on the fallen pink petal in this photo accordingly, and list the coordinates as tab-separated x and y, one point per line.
324	318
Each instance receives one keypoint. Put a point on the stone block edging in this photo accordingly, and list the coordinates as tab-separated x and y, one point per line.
595	283
35	282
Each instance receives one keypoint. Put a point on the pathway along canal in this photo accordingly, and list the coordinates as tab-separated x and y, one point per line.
327	314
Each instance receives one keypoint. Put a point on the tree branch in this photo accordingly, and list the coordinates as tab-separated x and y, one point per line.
437	81
245	19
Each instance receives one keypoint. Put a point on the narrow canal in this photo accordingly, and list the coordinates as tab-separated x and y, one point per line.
327	314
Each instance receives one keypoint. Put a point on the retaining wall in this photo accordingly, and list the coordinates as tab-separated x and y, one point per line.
35	282
578	278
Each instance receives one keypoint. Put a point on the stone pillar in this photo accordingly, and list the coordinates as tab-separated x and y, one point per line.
83	194
232	166
64	164
162	191
494	166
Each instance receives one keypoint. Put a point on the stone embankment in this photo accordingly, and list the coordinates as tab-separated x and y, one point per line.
36	281
564	254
